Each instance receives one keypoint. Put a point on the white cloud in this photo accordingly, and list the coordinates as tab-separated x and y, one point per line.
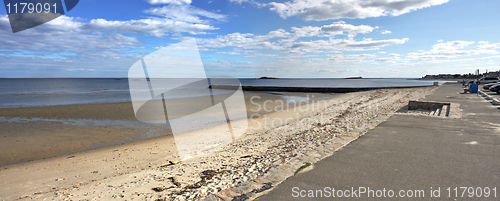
66	34
177	17
247	1
174	19
63	44
384	59
240	1
393	58
184	13
241	40
439	41
336	9
386	32
352	57
449	50
491	57
317	56
288	41
280	33
306	31
229	53
173	2
153	26
310	67
94	51
488	46
341	27
368	43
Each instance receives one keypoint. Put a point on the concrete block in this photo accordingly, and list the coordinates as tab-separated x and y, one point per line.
431	106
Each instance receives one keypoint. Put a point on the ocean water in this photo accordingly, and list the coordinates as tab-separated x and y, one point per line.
45	92
31	92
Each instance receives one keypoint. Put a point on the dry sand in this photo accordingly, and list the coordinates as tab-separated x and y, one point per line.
272	149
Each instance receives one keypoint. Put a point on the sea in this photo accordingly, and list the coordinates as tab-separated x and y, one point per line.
36	92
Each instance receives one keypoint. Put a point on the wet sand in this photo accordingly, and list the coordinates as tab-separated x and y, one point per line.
42	132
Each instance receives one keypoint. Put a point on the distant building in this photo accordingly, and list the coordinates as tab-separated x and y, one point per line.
456	76
445	76
492	74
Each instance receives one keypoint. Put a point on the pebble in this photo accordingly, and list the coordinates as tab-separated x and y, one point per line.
303	139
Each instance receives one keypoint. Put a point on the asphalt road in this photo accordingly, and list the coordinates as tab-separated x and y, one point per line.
408	155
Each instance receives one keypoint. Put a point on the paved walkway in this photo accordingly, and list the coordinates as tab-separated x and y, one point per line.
407	154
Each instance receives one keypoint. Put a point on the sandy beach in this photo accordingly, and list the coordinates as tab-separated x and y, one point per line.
40	132
274	146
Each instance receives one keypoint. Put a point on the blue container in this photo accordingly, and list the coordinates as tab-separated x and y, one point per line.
473	88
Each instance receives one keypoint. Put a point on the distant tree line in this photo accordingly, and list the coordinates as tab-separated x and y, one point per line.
462	76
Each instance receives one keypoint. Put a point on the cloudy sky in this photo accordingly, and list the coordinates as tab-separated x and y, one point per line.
253	38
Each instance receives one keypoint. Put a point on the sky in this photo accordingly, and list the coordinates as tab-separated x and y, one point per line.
254	38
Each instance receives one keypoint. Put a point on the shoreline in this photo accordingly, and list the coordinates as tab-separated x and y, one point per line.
34	133
147	164
315	89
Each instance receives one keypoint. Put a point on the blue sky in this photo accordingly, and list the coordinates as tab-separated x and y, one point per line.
253	38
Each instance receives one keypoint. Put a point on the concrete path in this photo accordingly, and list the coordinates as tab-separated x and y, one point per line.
409	155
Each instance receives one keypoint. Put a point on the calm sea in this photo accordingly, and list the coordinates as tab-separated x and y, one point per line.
30	92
